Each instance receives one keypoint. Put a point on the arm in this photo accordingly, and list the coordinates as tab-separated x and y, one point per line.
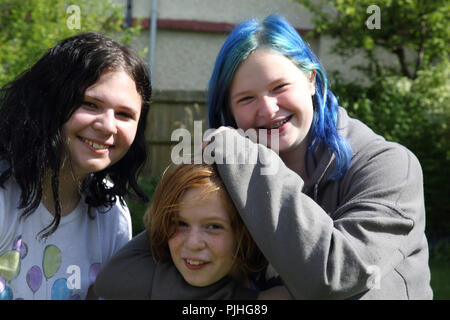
9	215
275	293
133	274
336	254
129	273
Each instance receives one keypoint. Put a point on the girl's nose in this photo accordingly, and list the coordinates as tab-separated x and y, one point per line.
267	106
194	240
106	122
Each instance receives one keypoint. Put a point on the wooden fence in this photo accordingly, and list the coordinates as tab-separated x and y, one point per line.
171	110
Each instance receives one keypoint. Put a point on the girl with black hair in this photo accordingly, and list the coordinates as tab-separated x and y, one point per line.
72	145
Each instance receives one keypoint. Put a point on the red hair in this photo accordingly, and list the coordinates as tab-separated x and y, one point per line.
160	217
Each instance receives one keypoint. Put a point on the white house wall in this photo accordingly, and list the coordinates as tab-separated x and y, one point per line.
184	58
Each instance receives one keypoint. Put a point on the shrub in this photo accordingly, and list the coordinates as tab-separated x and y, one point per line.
415	113
137	207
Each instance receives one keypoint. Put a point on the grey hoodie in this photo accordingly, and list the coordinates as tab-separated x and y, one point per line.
360	237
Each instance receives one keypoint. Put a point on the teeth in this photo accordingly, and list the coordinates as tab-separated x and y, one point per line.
98	146
195	262
94	144
278	124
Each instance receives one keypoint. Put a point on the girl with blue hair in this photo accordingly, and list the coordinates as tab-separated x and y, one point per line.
275	35
344	215
342	218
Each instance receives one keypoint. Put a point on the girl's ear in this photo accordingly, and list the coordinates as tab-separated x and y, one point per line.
312	82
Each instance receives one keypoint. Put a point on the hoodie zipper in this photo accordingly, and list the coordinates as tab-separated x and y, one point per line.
316	185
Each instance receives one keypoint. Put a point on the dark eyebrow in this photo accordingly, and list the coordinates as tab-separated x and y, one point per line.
98	99
94	98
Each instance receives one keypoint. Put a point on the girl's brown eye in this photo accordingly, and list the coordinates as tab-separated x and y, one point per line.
89	105
244	99
181	224
279	87
126	115
214	226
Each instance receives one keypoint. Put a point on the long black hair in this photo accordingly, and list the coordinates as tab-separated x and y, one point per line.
34	107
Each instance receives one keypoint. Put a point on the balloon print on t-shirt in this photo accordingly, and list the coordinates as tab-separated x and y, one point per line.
5	291
34	278
93	271
60	290
20	246
10	264
10	267
10	260
52	260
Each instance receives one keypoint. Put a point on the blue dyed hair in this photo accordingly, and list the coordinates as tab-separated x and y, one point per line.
277	34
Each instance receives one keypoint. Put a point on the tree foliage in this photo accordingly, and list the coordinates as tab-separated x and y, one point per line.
30	27
407	101
417	32
415	113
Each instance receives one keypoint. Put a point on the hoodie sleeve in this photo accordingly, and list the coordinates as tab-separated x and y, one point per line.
129	273
319	254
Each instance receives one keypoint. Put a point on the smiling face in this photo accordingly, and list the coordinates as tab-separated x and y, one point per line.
269	91
202	246
100	132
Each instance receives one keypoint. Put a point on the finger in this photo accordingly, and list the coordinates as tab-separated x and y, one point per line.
209	136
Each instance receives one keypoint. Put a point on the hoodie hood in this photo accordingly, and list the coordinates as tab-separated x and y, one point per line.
357	135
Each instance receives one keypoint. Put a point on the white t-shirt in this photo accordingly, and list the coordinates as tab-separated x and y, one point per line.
65	264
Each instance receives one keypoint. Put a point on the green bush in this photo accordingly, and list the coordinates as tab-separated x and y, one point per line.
28	28
137	207
415	113
439	265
